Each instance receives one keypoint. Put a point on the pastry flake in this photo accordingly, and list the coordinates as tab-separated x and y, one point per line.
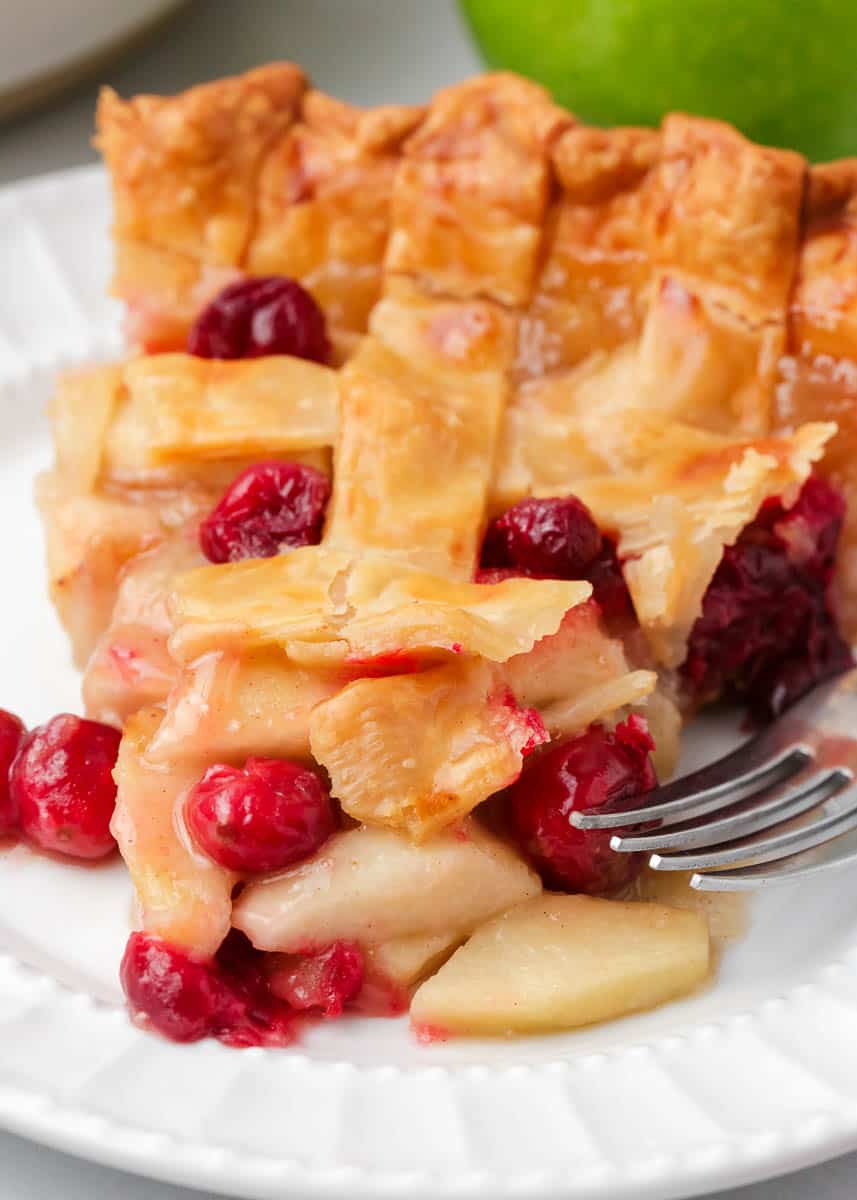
418	752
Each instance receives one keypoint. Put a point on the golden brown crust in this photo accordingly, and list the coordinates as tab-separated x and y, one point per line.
590	292
724	224
824	305
725	216
324	204
184	167
184	173
818	378
471	193
174	420
422	400
595	165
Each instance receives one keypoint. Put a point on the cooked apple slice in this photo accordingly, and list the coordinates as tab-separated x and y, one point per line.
664	720
418	752
131	667
408	960
228	707
557	962
88	540
371	885
725	912
183	896
577	675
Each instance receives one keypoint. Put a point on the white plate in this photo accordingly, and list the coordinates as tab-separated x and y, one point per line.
755	1076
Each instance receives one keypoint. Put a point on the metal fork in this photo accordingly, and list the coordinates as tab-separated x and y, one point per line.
781	807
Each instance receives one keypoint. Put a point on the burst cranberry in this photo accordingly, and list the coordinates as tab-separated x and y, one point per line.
554	537
767	632
587	772
62	784
252	1014
327	979
254	317
186	997
262	818
270	507
12	733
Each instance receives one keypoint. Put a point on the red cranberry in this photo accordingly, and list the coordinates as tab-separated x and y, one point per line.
62	784
767	632
176	992
262	818
609	587
12	731
495	574
270	507
254	317
186	997
586	772
327	979
555	537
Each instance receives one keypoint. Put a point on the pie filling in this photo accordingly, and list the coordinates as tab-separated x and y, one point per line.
479	450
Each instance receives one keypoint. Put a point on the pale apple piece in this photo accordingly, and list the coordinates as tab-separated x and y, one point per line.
664	720
183	896
228	707
373	885
565	665
406	961
558	962
577	675
417	752
726	912
88	540
599	703
131	667
316	602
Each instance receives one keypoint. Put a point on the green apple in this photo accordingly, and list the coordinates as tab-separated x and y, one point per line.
783	71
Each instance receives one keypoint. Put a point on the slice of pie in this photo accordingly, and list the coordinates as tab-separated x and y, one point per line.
481	449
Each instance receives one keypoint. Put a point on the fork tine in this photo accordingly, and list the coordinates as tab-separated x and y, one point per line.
834	821
748	770
839	852
754	816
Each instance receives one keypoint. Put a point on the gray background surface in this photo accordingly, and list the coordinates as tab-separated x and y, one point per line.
366	51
